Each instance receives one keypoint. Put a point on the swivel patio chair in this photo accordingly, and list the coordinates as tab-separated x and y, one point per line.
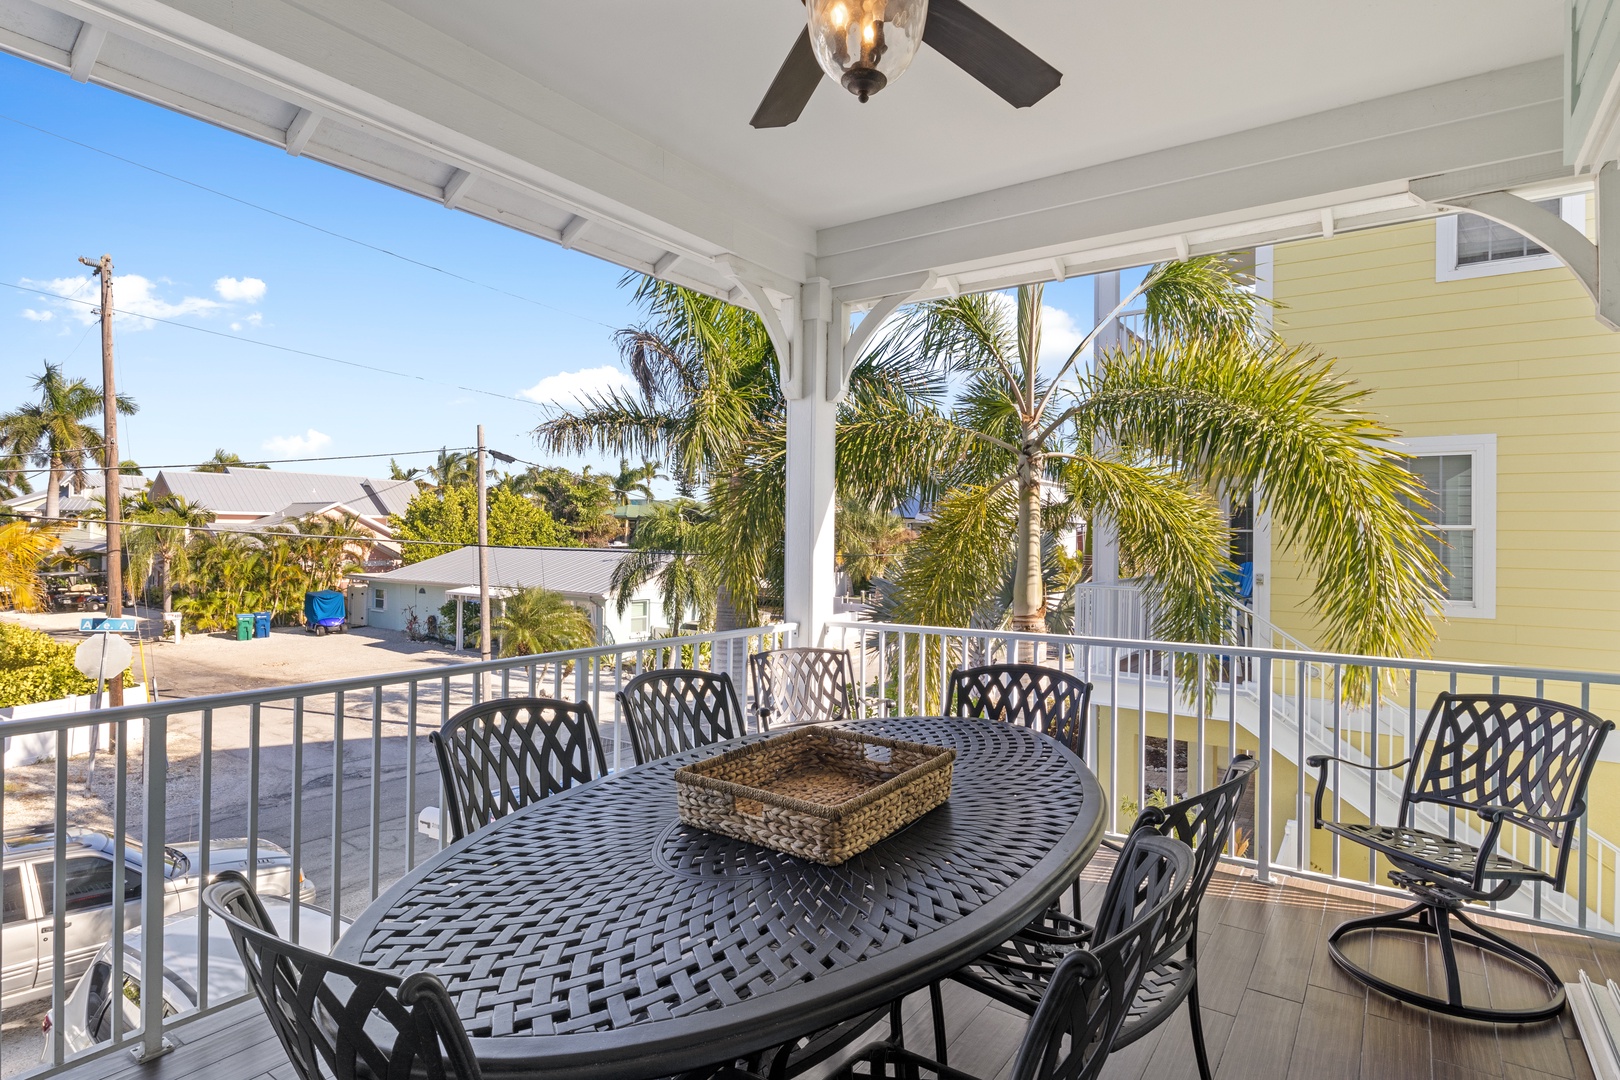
342	1020
505	754
1500	760
675	709
1086	1000
1052	702
805	685
1017	972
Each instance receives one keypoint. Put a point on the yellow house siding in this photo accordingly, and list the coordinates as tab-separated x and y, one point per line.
1519	356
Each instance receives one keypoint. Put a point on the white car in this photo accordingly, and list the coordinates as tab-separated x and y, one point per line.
88	1012
27	948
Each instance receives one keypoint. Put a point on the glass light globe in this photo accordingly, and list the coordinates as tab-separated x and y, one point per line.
866	44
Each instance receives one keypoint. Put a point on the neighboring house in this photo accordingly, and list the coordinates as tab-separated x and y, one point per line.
583	576
254	499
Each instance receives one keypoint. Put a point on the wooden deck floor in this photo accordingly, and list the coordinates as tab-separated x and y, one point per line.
1275	1006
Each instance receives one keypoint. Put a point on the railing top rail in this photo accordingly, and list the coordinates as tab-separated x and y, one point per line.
1288	655
366	682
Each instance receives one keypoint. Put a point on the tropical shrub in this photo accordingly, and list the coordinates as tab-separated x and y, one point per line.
538	621
35	667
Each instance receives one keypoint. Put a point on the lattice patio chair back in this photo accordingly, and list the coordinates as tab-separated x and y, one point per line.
342	1020
802	685
1503	760
504	754
675	709
1075	1026
1052	702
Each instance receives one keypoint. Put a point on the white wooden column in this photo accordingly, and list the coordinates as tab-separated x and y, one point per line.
1105	537
809	581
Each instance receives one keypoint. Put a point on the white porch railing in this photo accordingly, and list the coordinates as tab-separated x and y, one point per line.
1283	703
334	772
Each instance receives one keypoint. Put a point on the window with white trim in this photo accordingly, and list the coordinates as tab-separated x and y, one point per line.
379	599
640	616
1468	246
1458	473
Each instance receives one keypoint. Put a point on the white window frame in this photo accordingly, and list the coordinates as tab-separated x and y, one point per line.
379	600
1572	208
1482	448
641	609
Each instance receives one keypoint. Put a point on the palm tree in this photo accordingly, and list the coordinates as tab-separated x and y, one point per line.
672	546
535	621
323	546
870	542
164	546
223	459
52	431
632	482
397	473
13	474
23	548
453	468
1202	402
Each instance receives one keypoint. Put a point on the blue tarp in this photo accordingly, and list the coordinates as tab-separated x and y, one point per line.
323	608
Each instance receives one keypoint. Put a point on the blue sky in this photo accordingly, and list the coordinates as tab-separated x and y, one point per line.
206	262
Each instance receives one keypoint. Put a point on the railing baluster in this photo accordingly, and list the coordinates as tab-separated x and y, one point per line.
154	806
339	711
1262	817
412	700
205	834
58	897
374	876
296	826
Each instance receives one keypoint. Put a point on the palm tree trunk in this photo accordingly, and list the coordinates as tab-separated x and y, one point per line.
1029	587
163	580
53	492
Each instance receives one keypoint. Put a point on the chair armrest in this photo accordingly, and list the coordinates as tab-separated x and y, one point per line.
1496	811
1319	762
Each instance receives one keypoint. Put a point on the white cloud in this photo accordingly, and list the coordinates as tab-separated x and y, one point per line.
134	296
255	319
295	445
249	289
38	316
570	387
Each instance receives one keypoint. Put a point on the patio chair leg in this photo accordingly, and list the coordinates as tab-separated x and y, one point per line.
1425	918
936	1005
1196	1016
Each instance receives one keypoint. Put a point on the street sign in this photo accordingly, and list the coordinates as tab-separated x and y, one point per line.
100	624
102	657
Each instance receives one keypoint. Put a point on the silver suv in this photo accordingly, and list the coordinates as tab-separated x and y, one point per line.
27	934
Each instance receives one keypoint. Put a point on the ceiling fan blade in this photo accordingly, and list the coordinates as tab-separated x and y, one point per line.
790	91
974	44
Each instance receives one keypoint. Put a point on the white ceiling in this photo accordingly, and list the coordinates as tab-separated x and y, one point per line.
1138	77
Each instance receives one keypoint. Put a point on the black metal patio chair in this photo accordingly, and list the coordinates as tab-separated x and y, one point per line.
806	685
339	1020
1017	972
1052	702
675	709
1497	760
504	754
1088	996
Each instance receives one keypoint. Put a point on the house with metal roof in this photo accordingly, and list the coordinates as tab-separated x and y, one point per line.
584	576
249	495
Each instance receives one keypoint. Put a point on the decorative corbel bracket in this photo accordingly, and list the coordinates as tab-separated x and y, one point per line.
1596	266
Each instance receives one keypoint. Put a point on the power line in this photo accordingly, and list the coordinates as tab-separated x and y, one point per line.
306	224
220	530
278	348
283	461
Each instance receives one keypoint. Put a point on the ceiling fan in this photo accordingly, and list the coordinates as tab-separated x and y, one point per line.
866	44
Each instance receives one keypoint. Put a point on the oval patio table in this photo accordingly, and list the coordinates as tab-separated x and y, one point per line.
595	935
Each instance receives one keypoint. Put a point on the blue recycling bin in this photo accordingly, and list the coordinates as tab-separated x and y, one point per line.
261	624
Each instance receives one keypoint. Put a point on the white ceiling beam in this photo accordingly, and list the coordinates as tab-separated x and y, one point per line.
1506	119
572	230
456	187
666	262
1327	222
86	50
301	130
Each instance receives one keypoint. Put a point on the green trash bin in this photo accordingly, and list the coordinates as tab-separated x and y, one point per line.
244	626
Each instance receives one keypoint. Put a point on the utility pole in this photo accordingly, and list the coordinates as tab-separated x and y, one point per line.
483	551
109	459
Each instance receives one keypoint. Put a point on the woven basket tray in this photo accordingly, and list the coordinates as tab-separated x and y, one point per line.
823	794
